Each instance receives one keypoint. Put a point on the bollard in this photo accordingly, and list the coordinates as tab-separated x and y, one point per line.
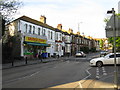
25	60
12	63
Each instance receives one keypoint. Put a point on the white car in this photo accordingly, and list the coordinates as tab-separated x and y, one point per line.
108	59
80	54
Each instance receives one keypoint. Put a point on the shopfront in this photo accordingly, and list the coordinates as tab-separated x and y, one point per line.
34	46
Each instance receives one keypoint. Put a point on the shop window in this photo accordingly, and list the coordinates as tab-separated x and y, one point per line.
56	48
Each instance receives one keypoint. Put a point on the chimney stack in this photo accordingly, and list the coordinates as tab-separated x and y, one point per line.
59	26
43	19
78	33
70	30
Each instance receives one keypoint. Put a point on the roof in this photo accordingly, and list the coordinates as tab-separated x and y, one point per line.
28	19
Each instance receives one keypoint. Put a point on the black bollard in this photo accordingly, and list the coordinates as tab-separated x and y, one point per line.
12	63
25	60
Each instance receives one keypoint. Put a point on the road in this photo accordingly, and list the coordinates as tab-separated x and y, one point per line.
70	73
45	75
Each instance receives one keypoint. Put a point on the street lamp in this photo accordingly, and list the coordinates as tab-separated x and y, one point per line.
114	35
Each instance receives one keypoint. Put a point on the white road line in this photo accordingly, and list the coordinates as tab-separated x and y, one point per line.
97	73
97	77
104	73
80	83
21	77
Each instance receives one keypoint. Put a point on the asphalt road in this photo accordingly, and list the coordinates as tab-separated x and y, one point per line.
46	74
57	73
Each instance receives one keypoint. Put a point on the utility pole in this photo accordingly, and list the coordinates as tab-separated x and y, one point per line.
79	26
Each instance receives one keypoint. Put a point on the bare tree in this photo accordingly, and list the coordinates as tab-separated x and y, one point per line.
8	8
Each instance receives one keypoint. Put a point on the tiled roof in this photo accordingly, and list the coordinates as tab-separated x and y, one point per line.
25	18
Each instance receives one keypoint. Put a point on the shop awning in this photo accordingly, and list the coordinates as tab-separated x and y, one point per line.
37	44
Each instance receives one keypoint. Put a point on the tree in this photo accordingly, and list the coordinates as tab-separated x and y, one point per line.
9	7
117	42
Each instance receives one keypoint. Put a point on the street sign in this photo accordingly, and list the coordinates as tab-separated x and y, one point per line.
110	25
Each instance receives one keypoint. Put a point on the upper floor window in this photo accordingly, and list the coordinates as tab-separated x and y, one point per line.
48	34
56	36
43	32
26	26
38	31
51	35
61	37
33	29
30	28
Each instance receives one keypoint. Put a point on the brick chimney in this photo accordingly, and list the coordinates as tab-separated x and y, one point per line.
43	19
78	33
59	26
70	30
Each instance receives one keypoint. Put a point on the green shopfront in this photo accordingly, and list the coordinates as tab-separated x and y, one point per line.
34	46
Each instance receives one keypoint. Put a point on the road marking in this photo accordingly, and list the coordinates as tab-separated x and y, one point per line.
27	76
97	77
84	79
97	73
104	71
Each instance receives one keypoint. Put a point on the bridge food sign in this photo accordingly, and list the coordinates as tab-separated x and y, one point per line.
109	27
36	40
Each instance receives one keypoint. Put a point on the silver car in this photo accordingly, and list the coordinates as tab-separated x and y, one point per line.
108	59
80	54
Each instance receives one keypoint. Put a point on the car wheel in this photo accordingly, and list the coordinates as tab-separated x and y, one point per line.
99	64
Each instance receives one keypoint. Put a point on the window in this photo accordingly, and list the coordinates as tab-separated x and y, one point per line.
117	55
43	32
48	34
26	28
61	37
56	36
111	56
51	35
33	29
38	31
30	28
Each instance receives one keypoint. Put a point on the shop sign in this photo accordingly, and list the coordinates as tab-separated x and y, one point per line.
37	40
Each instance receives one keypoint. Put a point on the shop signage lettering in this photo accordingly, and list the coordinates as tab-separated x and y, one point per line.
37	40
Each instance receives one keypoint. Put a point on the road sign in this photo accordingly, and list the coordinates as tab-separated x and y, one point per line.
110	26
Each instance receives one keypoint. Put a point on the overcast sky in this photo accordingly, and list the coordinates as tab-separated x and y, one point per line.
88	14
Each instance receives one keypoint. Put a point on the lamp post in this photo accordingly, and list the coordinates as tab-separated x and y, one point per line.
114	45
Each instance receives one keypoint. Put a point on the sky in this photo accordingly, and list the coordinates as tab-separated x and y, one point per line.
86	16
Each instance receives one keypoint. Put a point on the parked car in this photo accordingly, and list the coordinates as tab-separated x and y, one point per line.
80	54
108	59
103	53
